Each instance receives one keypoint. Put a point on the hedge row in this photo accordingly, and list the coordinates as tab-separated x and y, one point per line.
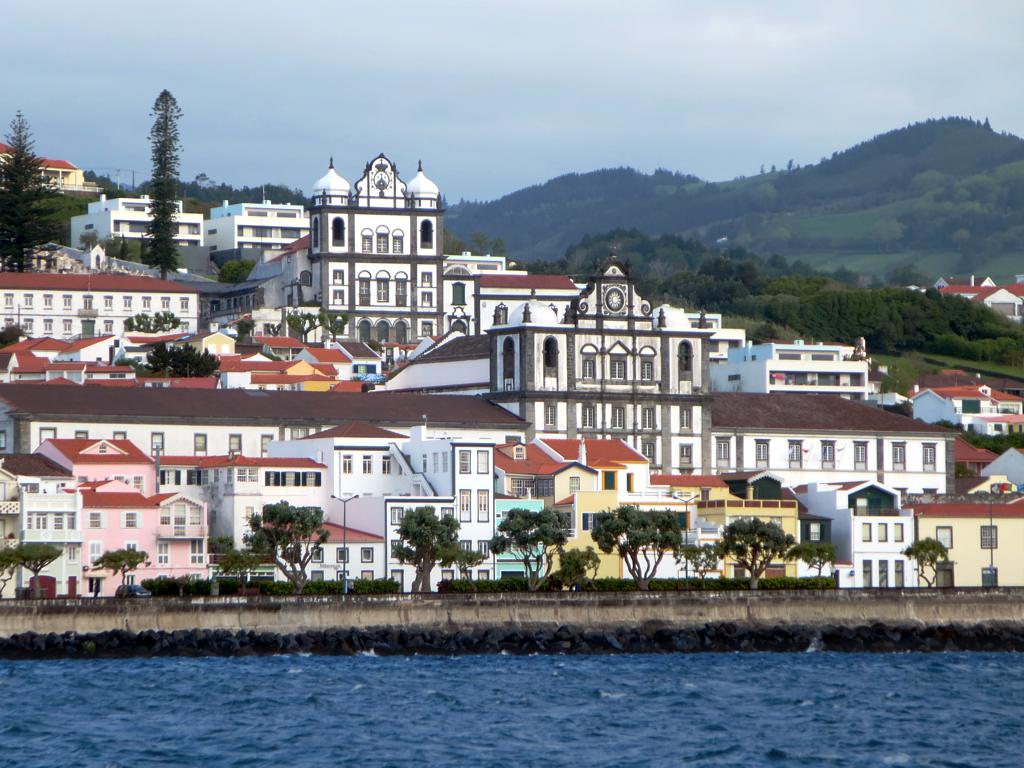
628	585
201	587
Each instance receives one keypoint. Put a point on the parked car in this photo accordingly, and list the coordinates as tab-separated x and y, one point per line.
132	590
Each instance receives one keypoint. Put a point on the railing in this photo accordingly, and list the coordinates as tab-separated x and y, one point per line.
875	509
10	508
88	313
181	532
38	502
51	536
746	504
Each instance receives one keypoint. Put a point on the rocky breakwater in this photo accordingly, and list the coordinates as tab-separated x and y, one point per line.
650	638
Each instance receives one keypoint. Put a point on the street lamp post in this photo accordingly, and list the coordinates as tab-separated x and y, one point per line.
344	537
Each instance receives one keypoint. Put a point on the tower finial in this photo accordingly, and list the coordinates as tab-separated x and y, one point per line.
331	166
420	169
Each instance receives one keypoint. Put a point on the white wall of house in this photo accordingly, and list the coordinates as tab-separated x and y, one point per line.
263	225
129	217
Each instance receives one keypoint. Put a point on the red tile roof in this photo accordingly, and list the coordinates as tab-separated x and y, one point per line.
85	451
536	461
689	481
47	162
87	342
969	510
539	282
149	339
279	342
967	453
90	282
327	355
348	386
337	535
598	452
93	499
357	429
295	246
975	391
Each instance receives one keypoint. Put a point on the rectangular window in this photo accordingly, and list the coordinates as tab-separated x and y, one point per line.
397	513
234	443
483	507
928	455
574	484
897	575
761	454
367	243
47	301
647	448
364	292
163	553
608	480
814	531
883	573
989	537
72	552
196	551
685	418
866	573
722	452
646	370
618	368
465	506
465	462
346	464
397	241
899	457
588	417
883	532
81	434
483	462
897	532
685	456
865	532
367	464
484	548
860	455
108	302
618	417
165	302
199	445
550	415
147	302
382	243
989	577
385	465
95	551
828	454
647	418
366	555
944	535
383	291
589	367
131	519
265	441
796	454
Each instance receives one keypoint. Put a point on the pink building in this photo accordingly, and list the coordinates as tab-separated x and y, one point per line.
169	527
94	460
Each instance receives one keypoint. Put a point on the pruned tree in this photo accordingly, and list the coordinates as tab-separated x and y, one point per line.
158	323
289	534
164	139
122	562
532	538
755	544
26	215
34	557
305	323
576	567
425	541
465	560
927	553
245	327
700	559
642	539
240	562
817	555
9	562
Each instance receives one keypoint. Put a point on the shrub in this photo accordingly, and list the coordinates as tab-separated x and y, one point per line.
788	582
276	588
188	587
465	586
612	585
375	587
324	588
674	585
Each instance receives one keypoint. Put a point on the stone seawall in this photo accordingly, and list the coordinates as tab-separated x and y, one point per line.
450	613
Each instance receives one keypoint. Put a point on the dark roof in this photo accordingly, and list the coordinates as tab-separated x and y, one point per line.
807	413
32	464
560	282
256	406
458	348
356	429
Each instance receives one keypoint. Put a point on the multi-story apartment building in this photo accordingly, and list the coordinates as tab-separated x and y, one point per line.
822	438
265	226
830	369
129	217
66	306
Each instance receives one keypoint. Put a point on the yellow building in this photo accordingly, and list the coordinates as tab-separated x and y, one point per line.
214	342
966	486
64	176
985	542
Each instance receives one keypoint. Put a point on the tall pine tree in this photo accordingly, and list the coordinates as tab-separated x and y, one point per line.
25	195
164	138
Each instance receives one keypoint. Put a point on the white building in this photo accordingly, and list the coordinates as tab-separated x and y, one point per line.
976	407
129	217
830	369
266	225
828	439
64	306
869	529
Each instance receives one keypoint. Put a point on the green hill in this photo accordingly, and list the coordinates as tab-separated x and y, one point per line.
944	195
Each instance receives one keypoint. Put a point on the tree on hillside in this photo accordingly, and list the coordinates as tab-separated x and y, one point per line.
701	560
928	553
161	322
34	557
235	271
426	541
291	535
817	555
755	544
642	539
122	562
181	361
576	567
164	138
532	538
25	196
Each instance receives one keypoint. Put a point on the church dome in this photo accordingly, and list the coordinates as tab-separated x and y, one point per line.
332	184
421	186
532	312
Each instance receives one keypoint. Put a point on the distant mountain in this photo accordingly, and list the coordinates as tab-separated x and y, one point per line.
945	195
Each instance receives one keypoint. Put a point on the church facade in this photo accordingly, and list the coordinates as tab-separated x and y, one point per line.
377	252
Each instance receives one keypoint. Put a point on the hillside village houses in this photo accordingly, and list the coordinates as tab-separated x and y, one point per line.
977	407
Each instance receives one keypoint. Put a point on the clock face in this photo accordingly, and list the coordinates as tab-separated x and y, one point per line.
614	299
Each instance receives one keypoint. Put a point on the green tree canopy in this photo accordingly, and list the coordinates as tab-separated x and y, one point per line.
425	541
34	557
532	538
165	140
817	555
291	535
122	561
9	563
755	544
240	563
26	198
642	539
181	361
158	323
578	566
927	553
235	271
700	559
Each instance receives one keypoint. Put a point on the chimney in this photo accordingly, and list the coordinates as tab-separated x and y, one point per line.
972	280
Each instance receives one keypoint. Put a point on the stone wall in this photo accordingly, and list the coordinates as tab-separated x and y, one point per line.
472	613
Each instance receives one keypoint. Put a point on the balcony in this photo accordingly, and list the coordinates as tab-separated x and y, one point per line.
10	508
51	536
43	502
181	532
872	510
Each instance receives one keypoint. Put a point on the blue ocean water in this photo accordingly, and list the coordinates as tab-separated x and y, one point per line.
813	709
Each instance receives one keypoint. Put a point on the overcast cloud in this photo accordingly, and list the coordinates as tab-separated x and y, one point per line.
494	96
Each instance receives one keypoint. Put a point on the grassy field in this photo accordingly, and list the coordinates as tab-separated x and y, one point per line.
904	370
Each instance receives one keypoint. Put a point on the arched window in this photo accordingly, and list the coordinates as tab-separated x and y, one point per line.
401	332
383	331
305	277
383	287
316	232
397	241
367	238
459	325
459	294
338	231
508	360
427	234
365	330
550	356
685	361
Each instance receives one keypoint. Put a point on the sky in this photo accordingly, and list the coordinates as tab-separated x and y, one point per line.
494	96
